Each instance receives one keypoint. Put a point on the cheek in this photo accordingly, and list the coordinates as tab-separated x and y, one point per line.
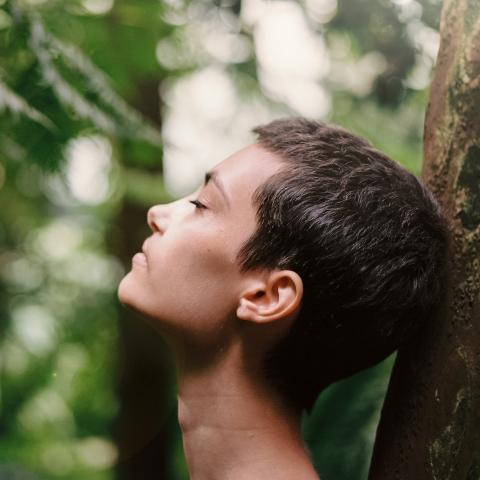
190	257
192	280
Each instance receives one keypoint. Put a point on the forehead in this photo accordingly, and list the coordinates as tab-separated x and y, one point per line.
247	169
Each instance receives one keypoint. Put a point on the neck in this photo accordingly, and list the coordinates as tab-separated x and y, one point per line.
235	427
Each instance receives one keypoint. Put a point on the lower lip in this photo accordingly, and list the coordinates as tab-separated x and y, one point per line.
140	259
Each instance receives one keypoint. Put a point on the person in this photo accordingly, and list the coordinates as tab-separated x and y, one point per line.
304	258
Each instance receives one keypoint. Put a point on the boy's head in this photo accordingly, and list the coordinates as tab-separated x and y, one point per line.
331	252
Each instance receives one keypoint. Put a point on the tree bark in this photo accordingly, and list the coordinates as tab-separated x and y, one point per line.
430	422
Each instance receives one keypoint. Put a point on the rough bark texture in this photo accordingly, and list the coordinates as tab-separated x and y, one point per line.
430	424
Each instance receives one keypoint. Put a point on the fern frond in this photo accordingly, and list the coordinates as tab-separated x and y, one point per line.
9	100
10	148
99	84
125	122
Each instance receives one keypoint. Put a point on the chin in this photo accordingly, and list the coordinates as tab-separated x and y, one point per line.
125	291
131	294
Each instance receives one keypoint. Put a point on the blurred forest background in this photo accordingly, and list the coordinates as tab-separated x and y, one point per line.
109	106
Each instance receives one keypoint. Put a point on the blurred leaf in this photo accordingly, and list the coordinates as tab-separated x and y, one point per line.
122	121
9	100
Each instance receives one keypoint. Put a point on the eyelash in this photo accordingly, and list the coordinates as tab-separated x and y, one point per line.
197	204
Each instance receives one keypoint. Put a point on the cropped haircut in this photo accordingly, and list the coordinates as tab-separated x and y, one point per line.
368	240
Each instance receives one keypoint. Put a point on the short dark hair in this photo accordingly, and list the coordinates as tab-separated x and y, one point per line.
368	240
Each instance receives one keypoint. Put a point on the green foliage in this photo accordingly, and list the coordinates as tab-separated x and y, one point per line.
383	27
353	407
51	91
400	139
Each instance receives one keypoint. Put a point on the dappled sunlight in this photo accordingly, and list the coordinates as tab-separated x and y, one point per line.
98	7
96	452
321	11
356	75
57	239
201	126
88	167
45	412
204	107
22	274
35	328
292	58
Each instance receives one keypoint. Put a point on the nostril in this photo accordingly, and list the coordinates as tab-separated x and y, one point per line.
154	226
159	217
152	220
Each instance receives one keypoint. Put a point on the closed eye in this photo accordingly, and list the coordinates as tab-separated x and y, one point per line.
198	204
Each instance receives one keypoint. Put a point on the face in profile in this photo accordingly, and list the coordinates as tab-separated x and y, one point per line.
186	280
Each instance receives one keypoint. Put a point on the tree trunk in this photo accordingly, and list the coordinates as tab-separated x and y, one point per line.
144	382
430	423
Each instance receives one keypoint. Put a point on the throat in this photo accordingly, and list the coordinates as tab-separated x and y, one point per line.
234	427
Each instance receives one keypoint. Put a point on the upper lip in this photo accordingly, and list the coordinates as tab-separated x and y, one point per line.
144	248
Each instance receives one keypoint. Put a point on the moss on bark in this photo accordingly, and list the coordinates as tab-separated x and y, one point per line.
430	424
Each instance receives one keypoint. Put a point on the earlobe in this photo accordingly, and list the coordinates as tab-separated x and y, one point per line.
277	297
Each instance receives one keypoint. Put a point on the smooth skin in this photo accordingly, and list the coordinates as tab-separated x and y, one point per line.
219	323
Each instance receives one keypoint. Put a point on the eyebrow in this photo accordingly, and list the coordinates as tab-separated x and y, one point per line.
215	178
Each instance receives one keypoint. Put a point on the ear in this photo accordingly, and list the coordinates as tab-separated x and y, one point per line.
275	296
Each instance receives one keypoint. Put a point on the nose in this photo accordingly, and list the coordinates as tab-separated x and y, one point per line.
157	218
160	216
